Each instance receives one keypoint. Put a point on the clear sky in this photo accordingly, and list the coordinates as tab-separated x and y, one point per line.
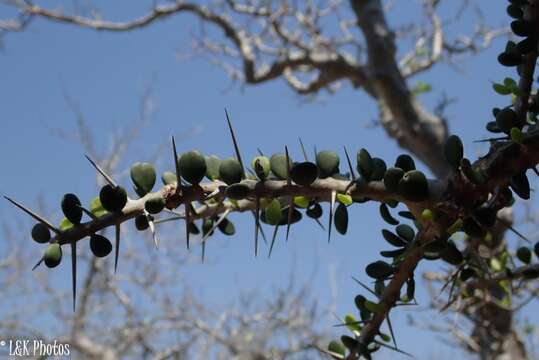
106	74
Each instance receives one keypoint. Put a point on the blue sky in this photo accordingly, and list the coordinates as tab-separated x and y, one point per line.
106	74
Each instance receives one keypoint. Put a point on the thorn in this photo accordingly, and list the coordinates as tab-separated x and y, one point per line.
251	172
257	223
393	348
172	218
358	322
34	215
452	287
449	303
215	225
87	212
74	271
331	206
303	150
288	180
38	263
260	152
273	240
203	250
391	330
491	139
101	171
320	224
451	278
291	202
510	227
261	229
152	229
289	219
187	222
349	164
365	287
236	147
117	248
213	194
350	184
177	166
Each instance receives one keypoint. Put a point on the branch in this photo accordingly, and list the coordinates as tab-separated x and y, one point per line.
321	189
401	115
333	66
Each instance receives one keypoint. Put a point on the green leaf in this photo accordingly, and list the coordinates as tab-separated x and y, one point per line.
495	265
421	87
509	82
501	89
336	349
516	135
385	337
344	199
352	323
301	201
96	208
273	212
377	308
457	225
511	86
65	224
234	203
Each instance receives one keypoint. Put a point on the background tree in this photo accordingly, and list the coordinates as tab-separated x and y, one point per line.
298	44
175	323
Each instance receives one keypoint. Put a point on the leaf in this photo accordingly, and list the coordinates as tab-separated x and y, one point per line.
96	207
501	89
345	199
273	212
352	324
336	349
509	82
341	219
377	308
495	265
393	239
421	87
65	224
385	337
386	215
301	201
